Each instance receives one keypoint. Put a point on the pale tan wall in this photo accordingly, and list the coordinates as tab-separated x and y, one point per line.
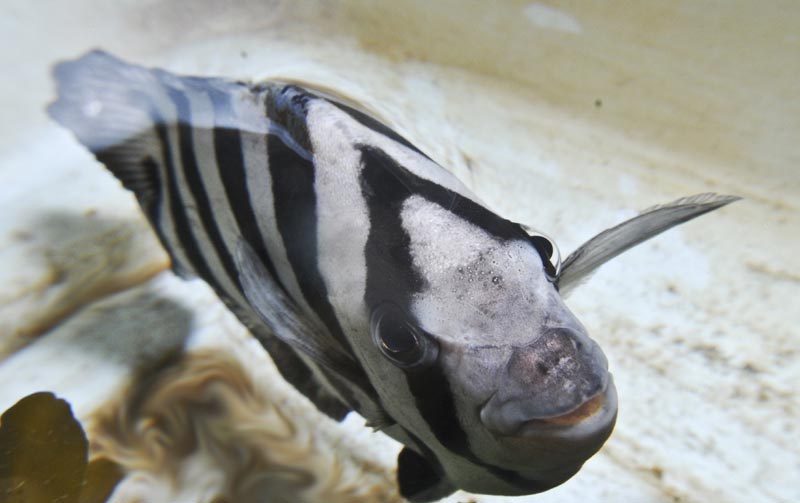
715	82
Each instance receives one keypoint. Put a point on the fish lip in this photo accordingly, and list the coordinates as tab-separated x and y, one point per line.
588	419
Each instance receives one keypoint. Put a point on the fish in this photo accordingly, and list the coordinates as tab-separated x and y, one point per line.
376	280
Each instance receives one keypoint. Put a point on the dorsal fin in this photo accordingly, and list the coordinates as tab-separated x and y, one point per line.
280	314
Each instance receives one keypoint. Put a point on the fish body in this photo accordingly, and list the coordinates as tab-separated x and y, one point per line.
377	281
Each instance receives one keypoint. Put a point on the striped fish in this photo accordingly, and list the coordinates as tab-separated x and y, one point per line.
375	279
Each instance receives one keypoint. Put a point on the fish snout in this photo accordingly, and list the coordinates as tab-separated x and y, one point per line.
558	382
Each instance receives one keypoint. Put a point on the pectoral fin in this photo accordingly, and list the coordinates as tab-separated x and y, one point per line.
611	242
284	319
281	315
419	481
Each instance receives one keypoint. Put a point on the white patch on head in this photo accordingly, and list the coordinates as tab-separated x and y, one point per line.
480	290
341	210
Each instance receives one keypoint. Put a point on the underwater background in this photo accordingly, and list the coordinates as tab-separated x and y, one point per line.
567	116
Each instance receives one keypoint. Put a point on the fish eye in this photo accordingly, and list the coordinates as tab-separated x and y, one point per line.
399	340
548	251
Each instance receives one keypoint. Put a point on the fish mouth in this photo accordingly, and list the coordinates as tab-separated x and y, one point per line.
589	421
582	412
546	451
592	418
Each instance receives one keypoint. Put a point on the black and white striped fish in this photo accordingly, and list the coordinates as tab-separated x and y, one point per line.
377	281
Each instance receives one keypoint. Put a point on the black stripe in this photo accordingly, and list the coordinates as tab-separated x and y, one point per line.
296	206
392	276
183	230
191	172
295	200
389	176
140	176
232	171
386	185
152	205
375	125
296	216
292	97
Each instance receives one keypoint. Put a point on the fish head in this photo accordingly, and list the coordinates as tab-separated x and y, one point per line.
507	389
